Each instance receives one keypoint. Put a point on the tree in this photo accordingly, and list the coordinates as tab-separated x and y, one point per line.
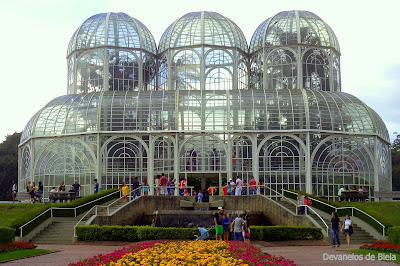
8	164
395	150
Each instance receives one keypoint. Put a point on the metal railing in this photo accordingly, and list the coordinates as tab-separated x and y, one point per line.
342	208
51	209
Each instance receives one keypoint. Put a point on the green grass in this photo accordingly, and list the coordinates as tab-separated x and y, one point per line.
20	254
12	211
376	253
387	212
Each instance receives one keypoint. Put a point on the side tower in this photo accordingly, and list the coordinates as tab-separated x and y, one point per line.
295	50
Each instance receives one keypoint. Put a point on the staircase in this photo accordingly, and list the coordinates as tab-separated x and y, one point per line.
360	236
61	230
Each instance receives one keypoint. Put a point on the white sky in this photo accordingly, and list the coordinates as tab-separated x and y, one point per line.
35	36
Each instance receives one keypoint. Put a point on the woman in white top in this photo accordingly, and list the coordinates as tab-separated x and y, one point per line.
348	229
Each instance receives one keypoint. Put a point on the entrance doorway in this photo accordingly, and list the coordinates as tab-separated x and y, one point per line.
202	181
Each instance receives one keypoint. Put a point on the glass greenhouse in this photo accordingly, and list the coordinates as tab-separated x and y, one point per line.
207	107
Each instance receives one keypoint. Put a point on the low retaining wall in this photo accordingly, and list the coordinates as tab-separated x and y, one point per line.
135	212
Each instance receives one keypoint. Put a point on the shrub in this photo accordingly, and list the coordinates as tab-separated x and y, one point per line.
394	235
140	233
6	235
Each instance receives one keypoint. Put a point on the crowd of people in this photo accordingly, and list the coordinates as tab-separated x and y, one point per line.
240	226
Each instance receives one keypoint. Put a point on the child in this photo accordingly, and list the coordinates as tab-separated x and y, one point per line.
125	191
247	234
200	196
186	192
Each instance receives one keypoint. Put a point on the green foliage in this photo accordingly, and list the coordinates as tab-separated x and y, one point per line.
394	235
141	233
8	164
6	235
275	233
20	254
395	150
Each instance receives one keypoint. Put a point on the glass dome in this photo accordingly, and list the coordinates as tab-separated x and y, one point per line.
114	30
170	111
203	28
293	27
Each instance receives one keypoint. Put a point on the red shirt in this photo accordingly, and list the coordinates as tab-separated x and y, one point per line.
252	184
182	183
163	181
225	190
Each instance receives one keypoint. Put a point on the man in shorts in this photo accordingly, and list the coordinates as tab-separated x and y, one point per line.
218	217
237	228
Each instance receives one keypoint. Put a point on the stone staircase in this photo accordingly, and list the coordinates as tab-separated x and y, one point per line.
61	230
360	236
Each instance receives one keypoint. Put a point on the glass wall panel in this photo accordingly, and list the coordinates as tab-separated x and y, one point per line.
90	72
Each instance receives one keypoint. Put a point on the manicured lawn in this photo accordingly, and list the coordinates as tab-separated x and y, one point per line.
376	253
20	254
11	211
386	212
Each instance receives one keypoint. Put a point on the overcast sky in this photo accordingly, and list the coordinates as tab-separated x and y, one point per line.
35	36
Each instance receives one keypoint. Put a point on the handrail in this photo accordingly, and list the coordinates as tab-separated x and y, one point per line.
59	208
346	207
83	218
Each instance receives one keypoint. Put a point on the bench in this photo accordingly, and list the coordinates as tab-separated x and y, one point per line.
354	195
24	196
387	194
61	196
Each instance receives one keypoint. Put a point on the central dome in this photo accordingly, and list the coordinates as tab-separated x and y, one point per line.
203	28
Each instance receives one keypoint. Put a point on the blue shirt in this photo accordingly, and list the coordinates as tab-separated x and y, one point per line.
96	188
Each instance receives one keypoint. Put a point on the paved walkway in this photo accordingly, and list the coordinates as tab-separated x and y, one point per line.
307	252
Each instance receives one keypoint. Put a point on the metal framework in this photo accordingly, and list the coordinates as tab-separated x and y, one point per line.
206	105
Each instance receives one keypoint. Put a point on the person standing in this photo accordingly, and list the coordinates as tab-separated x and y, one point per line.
171	189
218	220
200	196
234	161
300	202
307	202
125	191
233	184
135	187
14	190
253	186
237	228
163	185
77	188
182	185
335	225
96	187
145	186
238	186
157	185
225	225
348	229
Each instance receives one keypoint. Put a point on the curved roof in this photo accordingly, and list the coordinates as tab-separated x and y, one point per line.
203	28
280	110
293	27
112	29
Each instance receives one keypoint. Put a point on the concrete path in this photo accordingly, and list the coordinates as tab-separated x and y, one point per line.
306	252
316	253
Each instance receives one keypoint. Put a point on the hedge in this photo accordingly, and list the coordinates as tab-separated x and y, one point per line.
141	233
37	209
6	235
394	235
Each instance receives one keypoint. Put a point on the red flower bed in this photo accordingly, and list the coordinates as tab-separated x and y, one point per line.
16	245
116	255
253	256
382	245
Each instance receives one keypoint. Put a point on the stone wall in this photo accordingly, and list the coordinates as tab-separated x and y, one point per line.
135	212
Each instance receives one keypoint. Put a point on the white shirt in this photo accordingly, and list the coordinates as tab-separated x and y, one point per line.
347	223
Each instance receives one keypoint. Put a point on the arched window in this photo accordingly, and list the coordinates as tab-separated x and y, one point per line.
90	73
281	70
123	71
186	71
218	69
316	70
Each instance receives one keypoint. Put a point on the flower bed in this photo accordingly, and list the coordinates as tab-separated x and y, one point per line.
16	245
186	253
382	245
